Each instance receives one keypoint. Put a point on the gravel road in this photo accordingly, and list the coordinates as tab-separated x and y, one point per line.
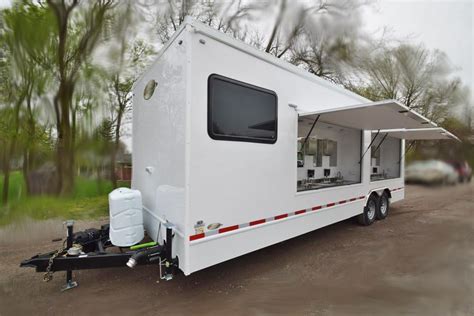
419	261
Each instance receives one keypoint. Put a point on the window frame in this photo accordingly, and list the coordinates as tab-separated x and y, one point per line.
401	152
248	139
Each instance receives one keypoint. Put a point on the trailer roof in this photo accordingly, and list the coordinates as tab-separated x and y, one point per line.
420	133
387	114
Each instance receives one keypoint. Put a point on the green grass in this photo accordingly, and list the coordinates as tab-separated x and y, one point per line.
17	186
89	188
88	201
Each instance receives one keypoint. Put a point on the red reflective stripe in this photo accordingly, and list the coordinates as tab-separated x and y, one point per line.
261	221
281	216
198	236
258	222
228	229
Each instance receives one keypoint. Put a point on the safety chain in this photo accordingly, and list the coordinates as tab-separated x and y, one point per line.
48	275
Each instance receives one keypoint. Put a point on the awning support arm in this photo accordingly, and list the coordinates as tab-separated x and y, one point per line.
407	150
310	131
380	144
370	145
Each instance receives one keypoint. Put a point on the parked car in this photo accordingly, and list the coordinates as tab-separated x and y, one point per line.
463	169
431	172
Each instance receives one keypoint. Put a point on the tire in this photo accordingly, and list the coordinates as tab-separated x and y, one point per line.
384	206
370	210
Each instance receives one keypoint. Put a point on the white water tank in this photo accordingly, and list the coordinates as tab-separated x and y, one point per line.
126	217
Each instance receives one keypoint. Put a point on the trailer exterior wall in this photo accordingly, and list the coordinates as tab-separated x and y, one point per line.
159	144
233	183
185	176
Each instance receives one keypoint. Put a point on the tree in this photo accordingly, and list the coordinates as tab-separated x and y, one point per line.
328	58
220	14
332	40
132	61
281	28
6	141
413	75
55	41
5	128
77	33
23	81
380	77
93	148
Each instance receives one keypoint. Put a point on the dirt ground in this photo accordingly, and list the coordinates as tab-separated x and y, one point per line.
419	261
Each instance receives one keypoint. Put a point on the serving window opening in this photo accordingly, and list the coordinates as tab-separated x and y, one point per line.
385	156
327	154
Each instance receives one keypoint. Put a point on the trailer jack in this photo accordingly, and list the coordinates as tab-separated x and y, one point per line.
70	284
169	263
89	249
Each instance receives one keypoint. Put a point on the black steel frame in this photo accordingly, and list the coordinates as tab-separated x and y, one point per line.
89	261
100	258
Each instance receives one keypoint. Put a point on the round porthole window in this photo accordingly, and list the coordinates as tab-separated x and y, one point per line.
149	89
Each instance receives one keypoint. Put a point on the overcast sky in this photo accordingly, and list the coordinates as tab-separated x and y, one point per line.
444	24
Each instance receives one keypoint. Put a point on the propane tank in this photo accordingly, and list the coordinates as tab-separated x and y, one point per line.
126	217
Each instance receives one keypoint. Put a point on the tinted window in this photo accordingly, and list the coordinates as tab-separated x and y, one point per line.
241	112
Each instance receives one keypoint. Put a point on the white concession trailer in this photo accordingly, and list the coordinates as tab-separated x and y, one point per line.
240	150
235	150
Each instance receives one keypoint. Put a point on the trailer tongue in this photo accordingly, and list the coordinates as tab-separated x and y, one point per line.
92	249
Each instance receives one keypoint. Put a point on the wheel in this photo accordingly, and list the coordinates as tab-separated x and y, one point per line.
384	206
368	216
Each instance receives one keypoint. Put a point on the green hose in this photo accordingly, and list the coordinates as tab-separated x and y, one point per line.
145	245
